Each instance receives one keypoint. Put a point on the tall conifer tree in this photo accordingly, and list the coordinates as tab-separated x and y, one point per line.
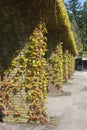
84	25
74	9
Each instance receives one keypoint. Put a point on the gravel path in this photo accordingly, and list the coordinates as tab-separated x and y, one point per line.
75	113
67	111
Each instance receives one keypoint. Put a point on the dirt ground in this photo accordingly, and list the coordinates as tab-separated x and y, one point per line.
68	111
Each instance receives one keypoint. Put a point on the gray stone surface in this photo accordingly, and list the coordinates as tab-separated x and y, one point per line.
75	116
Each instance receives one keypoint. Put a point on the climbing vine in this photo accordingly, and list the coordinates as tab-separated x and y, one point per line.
36	76
72	64
56	66
65	66
68	65
28	70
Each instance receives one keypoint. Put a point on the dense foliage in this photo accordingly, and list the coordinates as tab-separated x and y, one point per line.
61	67
28	69
36	76
56	67
65	24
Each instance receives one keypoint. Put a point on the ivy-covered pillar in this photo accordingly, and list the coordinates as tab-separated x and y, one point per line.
36	76
26	80
65	66
56	67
